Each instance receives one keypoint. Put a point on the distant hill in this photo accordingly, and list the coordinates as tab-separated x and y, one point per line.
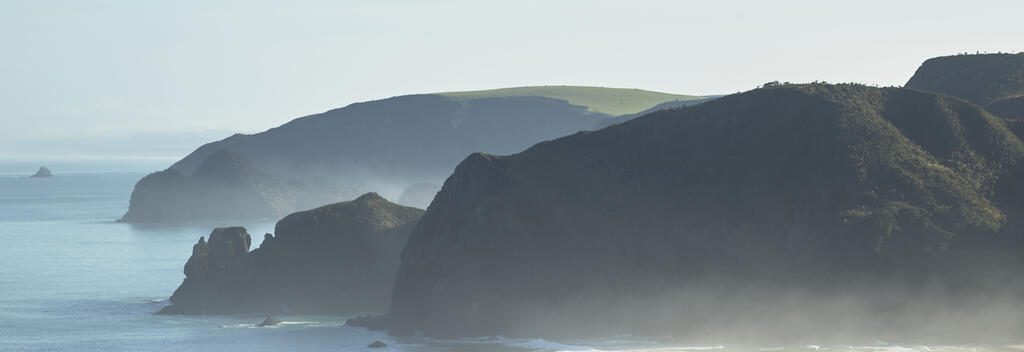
666	105
224	187
608	101
764	215
387	145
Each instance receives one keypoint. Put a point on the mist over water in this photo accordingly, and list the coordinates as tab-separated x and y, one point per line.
71	278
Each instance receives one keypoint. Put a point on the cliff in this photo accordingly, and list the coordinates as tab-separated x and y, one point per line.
395	142
387	145
766	214
336	259
224	186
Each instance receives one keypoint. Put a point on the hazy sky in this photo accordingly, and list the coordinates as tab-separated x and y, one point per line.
155	78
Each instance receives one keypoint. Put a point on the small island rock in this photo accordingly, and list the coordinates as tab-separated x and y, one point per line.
269	321
43	172
377	344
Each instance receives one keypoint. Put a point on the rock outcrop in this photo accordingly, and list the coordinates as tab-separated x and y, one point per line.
43	172
768	213
336	259
225	186
218	271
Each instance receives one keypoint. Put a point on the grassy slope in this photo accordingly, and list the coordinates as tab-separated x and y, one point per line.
611	101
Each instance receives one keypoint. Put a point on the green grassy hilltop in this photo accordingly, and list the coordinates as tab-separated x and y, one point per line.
611	101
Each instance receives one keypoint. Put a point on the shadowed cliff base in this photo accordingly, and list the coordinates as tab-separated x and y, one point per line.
336	259
785	212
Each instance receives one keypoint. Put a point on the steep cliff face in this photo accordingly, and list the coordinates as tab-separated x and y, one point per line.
217	272
336	259
713	215
225	186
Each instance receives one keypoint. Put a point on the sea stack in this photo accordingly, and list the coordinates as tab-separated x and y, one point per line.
337	259
43	172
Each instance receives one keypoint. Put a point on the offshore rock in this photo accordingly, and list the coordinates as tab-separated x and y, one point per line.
43	172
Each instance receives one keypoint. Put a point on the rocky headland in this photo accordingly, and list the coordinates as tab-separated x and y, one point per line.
225	186
336	259
765	214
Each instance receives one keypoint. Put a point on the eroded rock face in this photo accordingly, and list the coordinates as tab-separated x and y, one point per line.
218	271
336	259
726	217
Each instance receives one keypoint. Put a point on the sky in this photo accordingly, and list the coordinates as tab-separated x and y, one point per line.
155	79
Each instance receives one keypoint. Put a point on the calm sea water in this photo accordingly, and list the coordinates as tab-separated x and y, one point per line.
73	279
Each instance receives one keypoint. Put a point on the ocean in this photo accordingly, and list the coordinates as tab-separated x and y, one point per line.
73	279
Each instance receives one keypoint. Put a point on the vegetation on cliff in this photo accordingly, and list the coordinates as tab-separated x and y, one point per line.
720	215
983	79
993	81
